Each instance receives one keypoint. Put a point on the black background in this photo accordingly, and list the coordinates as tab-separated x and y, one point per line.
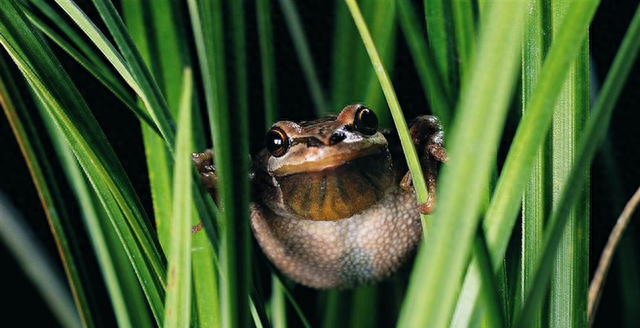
21	300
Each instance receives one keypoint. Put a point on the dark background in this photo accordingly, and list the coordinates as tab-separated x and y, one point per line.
23	301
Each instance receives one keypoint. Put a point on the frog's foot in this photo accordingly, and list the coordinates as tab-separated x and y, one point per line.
428	137
204	163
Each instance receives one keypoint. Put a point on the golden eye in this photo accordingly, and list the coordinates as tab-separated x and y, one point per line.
366	121
277	142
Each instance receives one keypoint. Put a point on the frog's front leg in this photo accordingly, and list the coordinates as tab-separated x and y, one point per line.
428	138
204	164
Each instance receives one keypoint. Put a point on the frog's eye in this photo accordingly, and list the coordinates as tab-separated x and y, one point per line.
277	142
366	121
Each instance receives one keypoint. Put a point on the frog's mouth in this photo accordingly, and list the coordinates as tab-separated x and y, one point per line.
326	158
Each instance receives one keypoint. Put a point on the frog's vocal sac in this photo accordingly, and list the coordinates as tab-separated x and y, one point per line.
332	200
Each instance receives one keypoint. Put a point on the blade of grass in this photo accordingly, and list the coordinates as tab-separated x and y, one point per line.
593	135
475	134
226	126
535	201
178	299
428	71
503	210
463	24
396	112
118	274
442	41
267	57
343	57
69	111
570	282
296	30
597	284
41	174
129	66
278	309
382	15
363	311
32	257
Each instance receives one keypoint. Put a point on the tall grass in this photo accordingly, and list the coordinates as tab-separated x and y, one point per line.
469	56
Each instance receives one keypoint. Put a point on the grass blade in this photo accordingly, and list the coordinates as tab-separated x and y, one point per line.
33	260
440	31
475	134
535	201
42	176
428	71
231	162
296	30
593	135
568	289
118	274
503	210
392	100
130	67
178	301
464	30
597	284
267	57
66	107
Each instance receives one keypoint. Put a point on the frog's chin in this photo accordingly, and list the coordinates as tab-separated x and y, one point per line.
327	161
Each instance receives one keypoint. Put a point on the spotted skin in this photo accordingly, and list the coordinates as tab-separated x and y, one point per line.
360	250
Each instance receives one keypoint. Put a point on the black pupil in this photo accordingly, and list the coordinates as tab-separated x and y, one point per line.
276	143
366	121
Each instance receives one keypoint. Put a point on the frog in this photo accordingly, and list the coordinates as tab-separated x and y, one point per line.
333	204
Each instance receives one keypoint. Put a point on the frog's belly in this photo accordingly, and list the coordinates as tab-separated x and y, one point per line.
346	253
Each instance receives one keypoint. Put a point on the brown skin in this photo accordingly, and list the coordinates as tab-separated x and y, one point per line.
333	205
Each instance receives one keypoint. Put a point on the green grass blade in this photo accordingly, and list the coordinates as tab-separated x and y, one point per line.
442	41
130	66
503	210
118	274
228	127
475	134
535	201
428	71
66	107
85	57
570	282
301	45
463	24
392	100
178	301
592	136
363	311
45	183
495	317
278	306
32	257
343	57
267	57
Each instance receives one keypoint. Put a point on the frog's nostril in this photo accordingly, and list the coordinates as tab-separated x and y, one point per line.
337	137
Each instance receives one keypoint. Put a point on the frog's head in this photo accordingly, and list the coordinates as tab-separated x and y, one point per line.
325	143
331	168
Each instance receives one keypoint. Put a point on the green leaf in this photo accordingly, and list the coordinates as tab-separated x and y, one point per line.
463	23
296	30
592	136
442	40
532	129
178	300
70	113
46	186
33	259
475	134
428	71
